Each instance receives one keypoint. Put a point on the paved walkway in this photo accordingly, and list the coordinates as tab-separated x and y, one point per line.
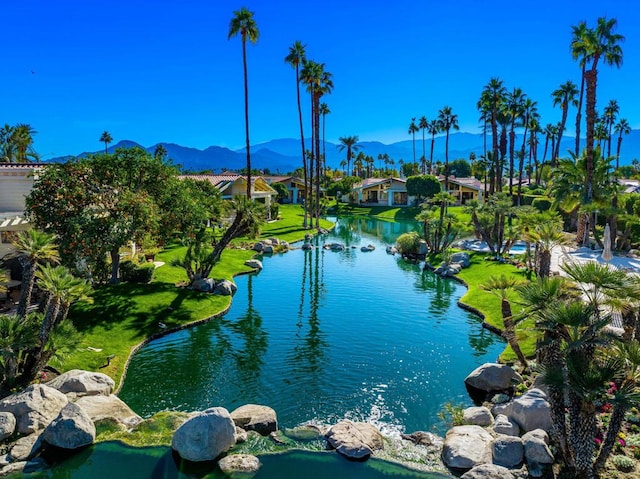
567	254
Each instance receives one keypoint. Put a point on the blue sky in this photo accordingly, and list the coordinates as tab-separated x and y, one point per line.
164	71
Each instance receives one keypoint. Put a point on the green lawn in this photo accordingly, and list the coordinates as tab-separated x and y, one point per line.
489	304
382	212
124	315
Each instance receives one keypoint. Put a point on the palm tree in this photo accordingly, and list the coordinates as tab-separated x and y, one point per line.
579	53
599	43
413	128
447	120
564	96
106	139
500	286
491	102
295	58
621	128
243	23
530	116
324	111
343	164
610	115
423	124
351	144
433	129
546	236
32	247
514	108
21	140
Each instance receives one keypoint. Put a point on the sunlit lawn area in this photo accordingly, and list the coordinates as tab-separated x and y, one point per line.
381	212
123	316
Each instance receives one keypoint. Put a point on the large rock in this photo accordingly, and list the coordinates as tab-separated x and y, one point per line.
7	425
530	411
253	263
423	438
26	447
493	377
478	416
355	440
466	446
503	425
488	471
508	451
73	428
112	407
537	454
462	258
204	285
225	288
253	417
205	436
83	383
239	463
423	249
34	407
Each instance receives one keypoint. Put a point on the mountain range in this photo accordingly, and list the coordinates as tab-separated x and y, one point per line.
282	156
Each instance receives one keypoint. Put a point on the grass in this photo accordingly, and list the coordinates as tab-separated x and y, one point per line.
489	304
123	316
381	212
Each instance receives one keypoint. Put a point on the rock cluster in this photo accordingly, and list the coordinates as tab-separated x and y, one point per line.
457	262
222	287
271	245
62	413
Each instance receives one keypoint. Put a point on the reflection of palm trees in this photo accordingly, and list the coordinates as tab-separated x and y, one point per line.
249	326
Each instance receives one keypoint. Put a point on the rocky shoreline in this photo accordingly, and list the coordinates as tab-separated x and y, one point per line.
506	437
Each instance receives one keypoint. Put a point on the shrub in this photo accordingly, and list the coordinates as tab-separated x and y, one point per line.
623	463
133	272
452	414
541	204
408	243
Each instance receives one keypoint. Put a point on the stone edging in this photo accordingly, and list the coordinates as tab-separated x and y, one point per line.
160	334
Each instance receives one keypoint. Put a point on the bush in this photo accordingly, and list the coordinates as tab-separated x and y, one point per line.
134	272
274	209
408	243
623	463
542	204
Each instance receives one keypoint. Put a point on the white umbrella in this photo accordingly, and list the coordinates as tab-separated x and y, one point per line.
607	255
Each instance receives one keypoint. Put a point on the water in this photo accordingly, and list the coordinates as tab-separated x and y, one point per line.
318	336
322	335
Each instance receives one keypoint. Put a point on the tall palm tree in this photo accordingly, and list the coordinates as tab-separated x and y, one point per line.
433	129
530	116
413	128
491	102
621	128
33	247
22	143
564	97
324	111
610	116
351	144
423	124
447	121
514	109
244	24
295	58
106	139
600	43
579	53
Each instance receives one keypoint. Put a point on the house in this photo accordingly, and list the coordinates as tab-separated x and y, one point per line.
464	189
295	187
231	184
16	182
381	191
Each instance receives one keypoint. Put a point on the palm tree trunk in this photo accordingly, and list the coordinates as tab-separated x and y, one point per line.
115	265
544	266
610	439
579	114
510	332
246	111
28	281
591	79
304	156
583	428
565	109
512	141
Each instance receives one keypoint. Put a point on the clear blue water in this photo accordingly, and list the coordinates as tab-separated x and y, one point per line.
319	336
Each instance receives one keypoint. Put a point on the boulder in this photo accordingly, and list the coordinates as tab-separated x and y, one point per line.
391	250
204	285
73	428
466	446
537	454
253	417
492	377
205	436
259	246
366	249
462	258
239	463
268	249
423	438
488	471
34	407
99	408
26	447
307	246
274	241
502	425
7	425
508	451
530	411
241	435
225	288
479	416
284	245
13	468
83	383
423	249
355	440
253	263
306	432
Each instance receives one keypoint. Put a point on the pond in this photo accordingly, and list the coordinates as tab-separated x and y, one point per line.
323	335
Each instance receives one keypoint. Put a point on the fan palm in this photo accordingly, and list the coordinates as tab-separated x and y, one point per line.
447	120
423	124
621	128
244	24
433	128
564	96
106	139
413	128
491	101
609	118
351	144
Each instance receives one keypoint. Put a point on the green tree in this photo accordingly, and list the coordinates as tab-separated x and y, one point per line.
609	118
413	129
423	124
621	128
422	186
106	139
351	145
433	129
564	96
460	168
491	102
447	121
244	24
